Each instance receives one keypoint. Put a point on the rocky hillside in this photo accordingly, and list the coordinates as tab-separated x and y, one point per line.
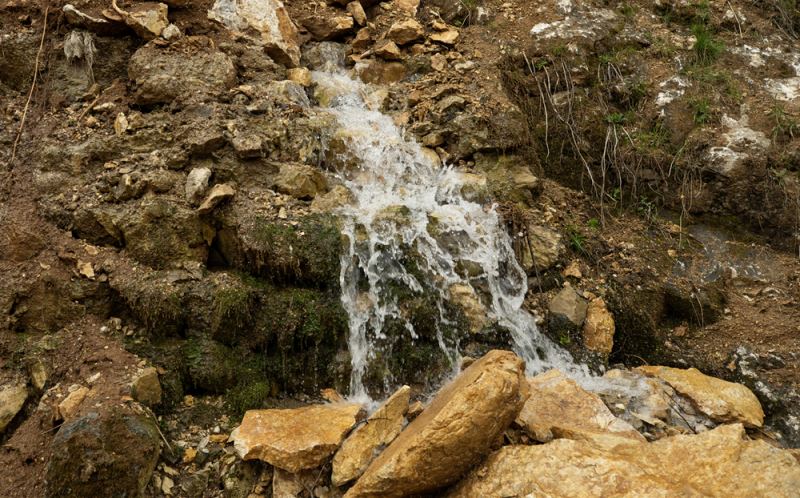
173	249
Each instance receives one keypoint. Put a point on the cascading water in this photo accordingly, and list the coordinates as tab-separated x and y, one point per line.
407	208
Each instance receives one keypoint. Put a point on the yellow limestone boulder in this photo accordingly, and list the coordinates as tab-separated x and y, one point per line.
722	401
296	439
559	408
366	442
454	433
718	463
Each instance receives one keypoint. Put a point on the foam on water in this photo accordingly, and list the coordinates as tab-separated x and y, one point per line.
398	191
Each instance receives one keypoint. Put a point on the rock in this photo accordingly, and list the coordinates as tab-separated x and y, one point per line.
367	441
438	62
337	197
405	32
247	145
171	33
722	401
197	184
146	388
270	18
559	408
324	28
219	193
94	24
568	308
387	49
106	453
300	75
408	7
300	181
458	428
357	11
12	399
543	250
465	296
415	409
290	92
297	439
717	463
447	37
381	73
146	19
362	40
69	406
189	68
598	329
324	56
38	374
289	485
120	124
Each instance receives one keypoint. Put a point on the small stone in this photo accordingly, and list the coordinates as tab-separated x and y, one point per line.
300	181
598	329
300	75
357	11
405	32
448	37
38	374
189	455
120	124
171	33
361	40
573	270
12	399
69	406
166	485
146	19
414	410
86	269
146	388
197	184
568	308
438	62
408	7
219	193
388	50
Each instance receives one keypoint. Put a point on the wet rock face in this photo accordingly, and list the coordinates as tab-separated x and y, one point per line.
189	69
103	454
717	463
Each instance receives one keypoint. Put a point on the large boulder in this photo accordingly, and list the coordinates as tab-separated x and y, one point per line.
453	433
190	68
297	439
718	463
358	450
722	401
559	408
107	453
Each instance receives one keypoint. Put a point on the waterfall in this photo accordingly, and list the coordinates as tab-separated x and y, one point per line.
399	193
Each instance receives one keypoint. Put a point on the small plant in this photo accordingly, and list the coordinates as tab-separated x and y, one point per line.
701	111
576	239
628	10
706	48
564	340
785	124
615	118
593	223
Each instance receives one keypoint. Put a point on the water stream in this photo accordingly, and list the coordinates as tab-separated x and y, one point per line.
411	228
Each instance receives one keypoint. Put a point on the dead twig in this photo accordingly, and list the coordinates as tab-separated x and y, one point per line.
30	93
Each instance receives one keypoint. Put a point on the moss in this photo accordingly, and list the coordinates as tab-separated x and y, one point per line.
306	253
233	309
210	366
247	396
158	304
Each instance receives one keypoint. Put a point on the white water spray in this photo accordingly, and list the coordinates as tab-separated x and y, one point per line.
399	195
